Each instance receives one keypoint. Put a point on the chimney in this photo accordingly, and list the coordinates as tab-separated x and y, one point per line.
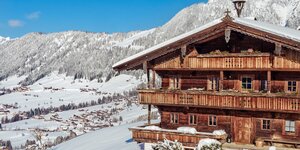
239	5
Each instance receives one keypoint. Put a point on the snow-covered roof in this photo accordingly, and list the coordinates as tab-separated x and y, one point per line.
267	27
168	42
281	31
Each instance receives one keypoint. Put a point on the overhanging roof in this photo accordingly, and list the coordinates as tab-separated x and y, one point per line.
283	32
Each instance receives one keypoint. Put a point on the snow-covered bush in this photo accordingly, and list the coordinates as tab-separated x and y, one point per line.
190	130
153	128
168	145
209	144
272	148
219	132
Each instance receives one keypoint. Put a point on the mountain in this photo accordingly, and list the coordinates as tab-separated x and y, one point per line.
91	55
4	39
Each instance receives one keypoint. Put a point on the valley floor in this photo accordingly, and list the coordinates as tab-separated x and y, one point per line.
57	109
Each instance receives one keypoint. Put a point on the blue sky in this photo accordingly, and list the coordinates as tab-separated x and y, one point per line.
18	17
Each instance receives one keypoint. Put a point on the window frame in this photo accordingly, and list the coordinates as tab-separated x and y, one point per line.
247	83
213	119
173	117
291	87
213	83
195	119
174	82
263	124
289	126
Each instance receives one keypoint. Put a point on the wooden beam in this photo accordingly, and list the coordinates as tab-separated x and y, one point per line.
269	81
149	114
153	79
221	81
183	51
145	66
146	70
183	54
278	49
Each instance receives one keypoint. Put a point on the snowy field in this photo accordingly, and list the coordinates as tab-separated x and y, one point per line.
114	138
68	91
56	90
19	132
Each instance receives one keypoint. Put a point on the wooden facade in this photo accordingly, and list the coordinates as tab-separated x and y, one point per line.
248	86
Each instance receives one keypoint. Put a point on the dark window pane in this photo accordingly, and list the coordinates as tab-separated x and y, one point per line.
244	80
249	86
249	80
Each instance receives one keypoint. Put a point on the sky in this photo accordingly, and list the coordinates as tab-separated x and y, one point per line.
19	17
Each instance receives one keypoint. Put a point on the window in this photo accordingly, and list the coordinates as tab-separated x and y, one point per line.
214	83
266	124
290	126
264	85
174	118
174	83
192	119
292	86
212	120
246	83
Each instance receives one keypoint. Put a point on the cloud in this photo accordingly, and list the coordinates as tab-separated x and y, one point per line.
15	23
34	15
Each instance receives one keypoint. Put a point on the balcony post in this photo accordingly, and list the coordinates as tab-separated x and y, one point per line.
221	81
269	86
153	79
146	70
149	114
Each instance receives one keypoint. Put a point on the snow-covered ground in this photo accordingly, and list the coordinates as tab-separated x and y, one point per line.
114	138
68	91
31	124
56	90
16	137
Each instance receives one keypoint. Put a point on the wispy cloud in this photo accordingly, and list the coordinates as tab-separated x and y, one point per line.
15	23
33	15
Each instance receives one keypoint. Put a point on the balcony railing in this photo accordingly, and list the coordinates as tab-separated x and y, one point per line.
230	61
224	100
140	134
226	61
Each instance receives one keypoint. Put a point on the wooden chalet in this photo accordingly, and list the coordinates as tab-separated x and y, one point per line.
234	74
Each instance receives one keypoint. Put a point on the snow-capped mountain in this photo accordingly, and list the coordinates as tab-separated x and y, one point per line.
4	39
91	55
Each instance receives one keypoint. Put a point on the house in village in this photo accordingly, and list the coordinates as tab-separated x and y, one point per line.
233	74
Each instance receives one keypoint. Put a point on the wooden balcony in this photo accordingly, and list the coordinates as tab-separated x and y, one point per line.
140	134
231	61
224	100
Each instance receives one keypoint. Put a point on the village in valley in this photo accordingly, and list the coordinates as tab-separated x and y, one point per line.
45	127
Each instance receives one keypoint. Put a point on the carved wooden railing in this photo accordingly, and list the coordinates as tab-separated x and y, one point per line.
226	61
230	61
140	134
239	101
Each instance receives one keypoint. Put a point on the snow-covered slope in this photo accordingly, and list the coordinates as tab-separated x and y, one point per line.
69	91
115	138
91	55
4	39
